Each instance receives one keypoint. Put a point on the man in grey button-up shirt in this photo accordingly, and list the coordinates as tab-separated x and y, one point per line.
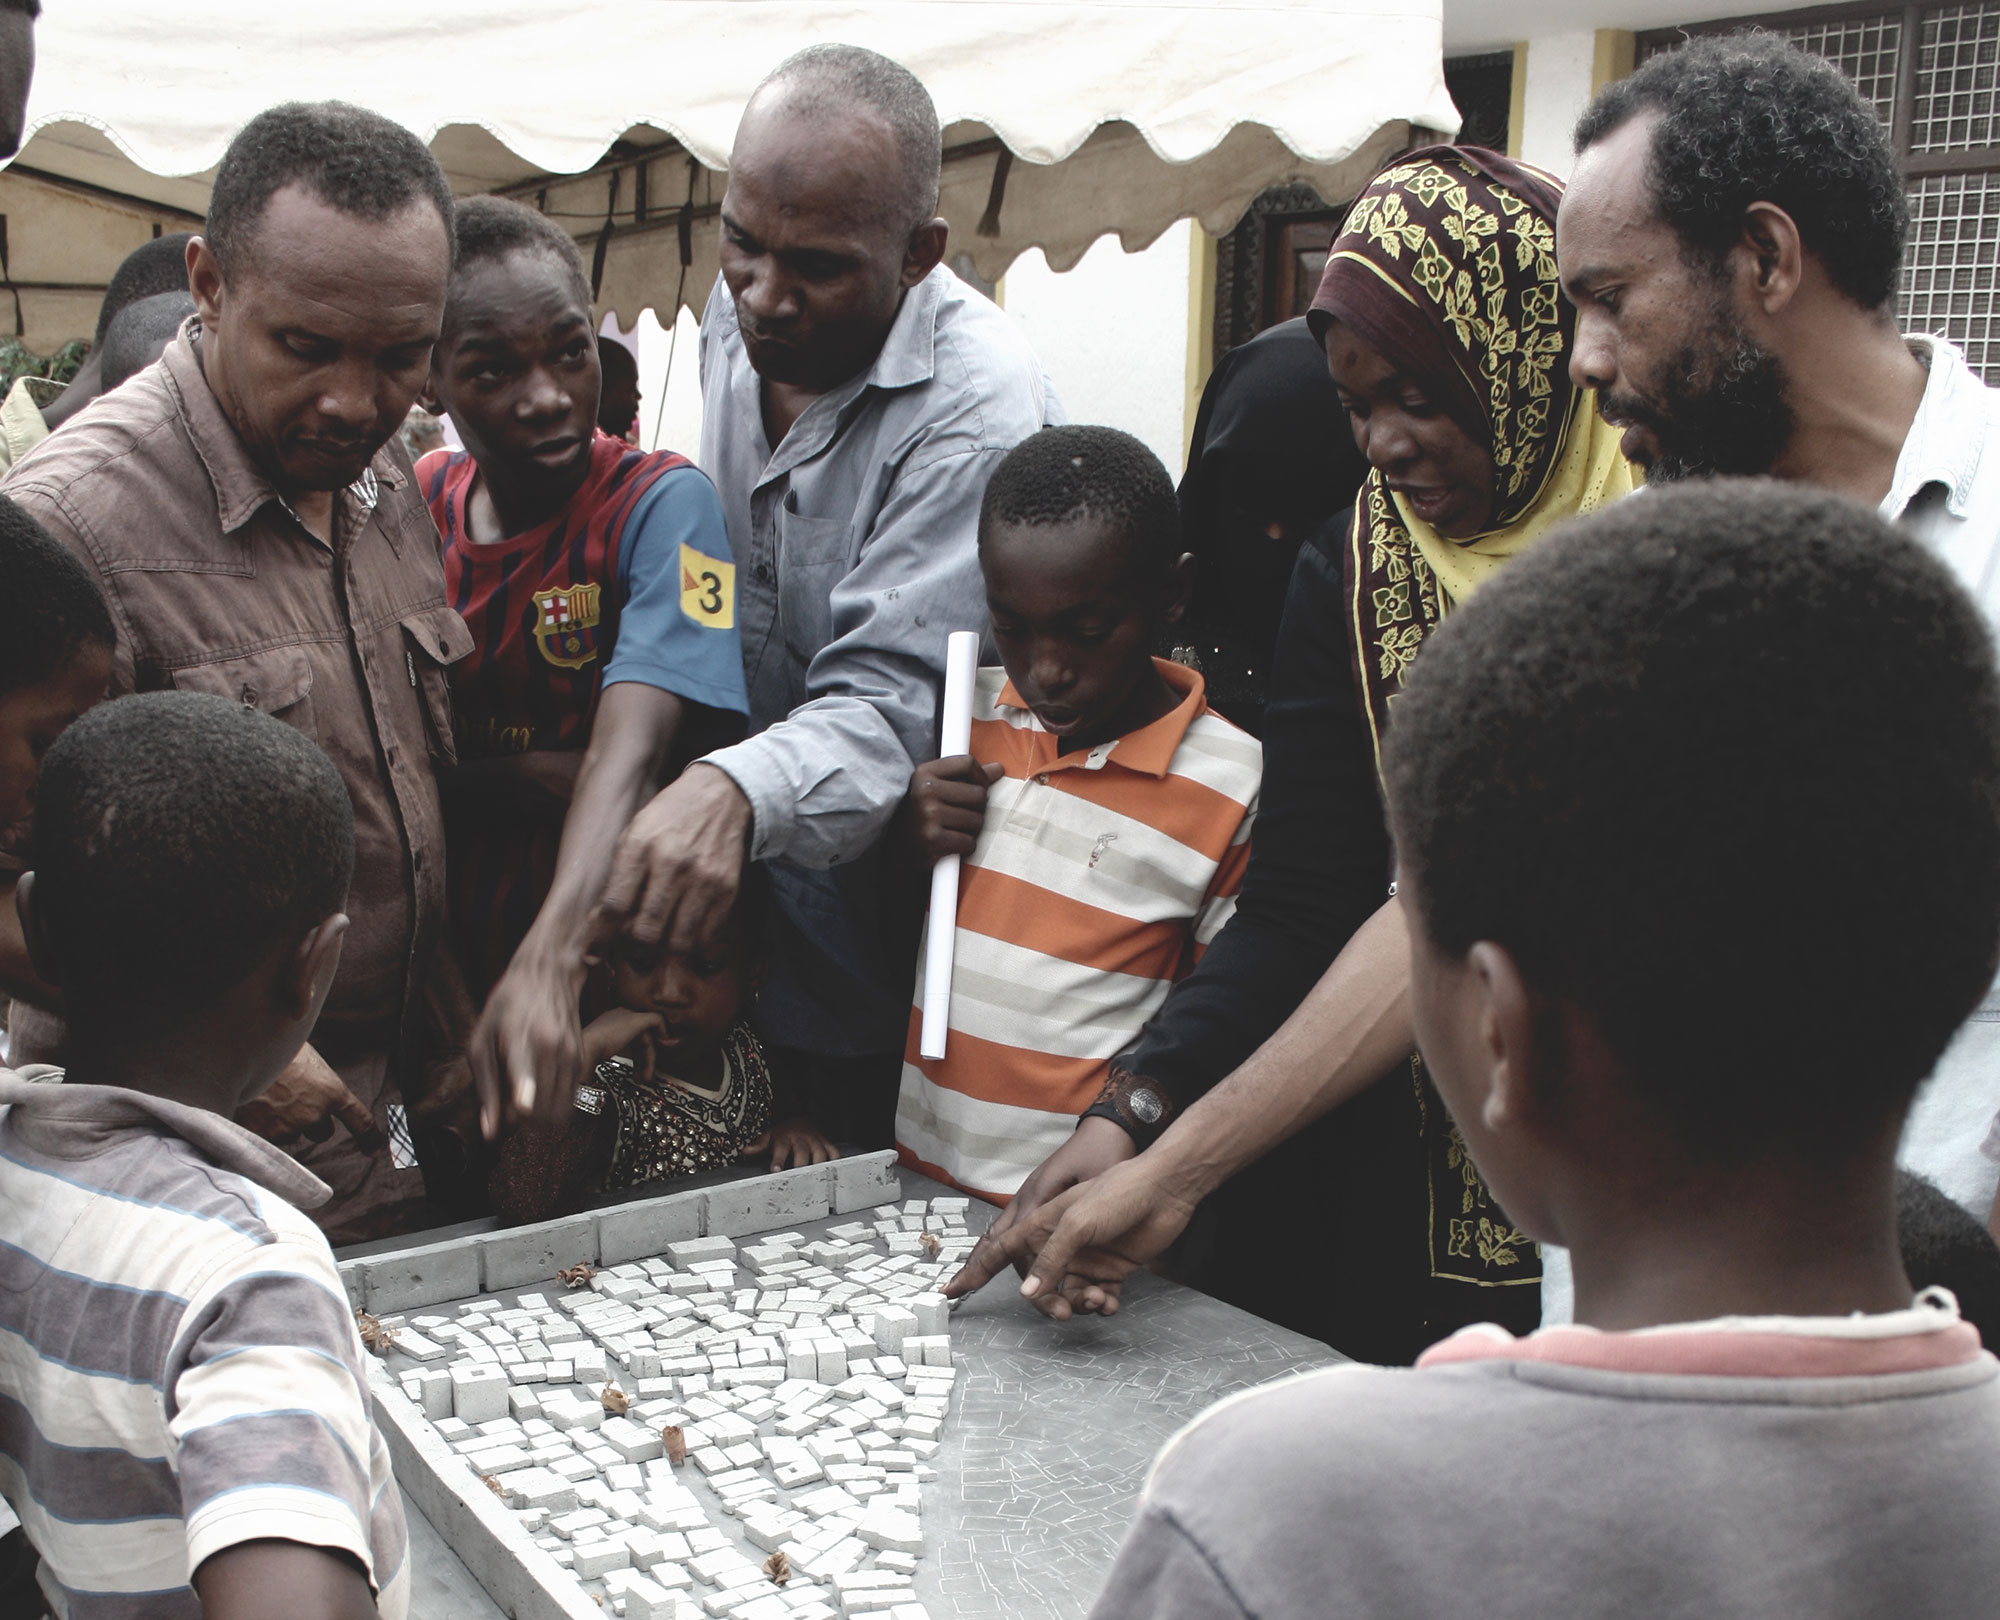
856	396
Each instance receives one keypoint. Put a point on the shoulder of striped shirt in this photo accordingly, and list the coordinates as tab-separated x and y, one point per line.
302	1244
1238	757
1231	761
433	466
303	1256
294	1242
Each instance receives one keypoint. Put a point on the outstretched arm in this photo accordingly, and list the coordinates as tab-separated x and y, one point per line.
1350	1031
676	650
1318	867
529	1040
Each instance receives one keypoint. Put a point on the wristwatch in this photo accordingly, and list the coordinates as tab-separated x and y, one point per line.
1140	1105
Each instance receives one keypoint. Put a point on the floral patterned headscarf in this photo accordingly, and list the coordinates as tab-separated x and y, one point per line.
1446	267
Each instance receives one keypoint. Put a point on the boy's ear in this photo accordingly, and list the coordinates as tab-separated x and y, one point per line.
35	931
427	396
1179	588
1515	1067
757	972
304	984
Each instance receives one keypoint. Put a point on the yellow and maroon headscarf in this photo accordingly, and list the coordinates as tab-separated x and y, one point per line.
1446	267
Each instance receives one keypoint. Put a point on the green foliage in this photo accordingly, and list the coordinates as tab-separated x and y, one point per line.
18	360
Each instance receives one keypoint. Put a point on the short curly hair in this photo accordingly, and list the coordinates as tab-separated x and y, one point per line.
354	160
1063	474
1751	118
1721	765
177	838
487	228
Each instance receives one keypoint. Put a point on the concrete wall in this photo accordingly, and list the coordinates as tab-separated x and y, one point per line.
1556	91
1555	77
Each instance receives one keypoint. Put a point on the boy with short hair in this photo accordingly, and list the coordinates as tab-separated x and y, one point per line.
55	663
56	658
1105	836
580	564
190	1432
1677	972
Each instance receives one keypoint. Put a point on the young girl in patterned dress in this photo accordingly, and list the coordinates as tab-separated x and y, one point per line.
679	1083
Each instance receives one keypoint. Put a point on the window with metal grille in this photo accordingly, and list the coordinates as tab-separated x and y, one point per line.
1941	105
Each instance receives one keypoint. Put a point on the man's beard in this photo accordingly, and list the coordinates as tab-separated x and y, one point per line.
1721	411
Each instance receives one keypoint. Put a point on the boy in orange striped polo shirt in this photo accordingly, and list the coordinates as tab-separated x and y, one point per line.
1103	812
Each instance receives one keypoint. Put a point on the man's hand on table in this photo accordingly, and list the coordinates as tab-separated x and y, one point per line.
1093	1148
1080	1245
679	864
305	1101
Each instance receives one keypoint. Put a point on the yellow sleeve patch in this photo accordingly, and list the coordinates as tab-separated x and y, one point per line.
708	590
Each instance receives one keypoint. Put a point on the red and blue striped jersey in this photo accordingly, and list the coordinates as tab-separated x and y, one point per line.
631	580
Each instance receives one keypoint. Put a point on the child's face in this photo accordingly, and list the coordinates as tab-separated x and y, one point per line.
1074	611
696	995
518	370
32	717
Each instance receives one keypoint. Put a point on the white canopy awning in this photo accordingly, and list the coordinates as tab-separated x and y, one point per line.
1076	119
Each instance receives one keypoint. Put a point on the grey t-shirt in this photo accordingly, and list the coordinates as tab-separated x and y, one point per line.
1520	1490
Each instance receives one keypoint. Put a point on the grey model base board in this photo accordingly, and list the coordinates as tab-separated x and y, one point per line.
1053	1427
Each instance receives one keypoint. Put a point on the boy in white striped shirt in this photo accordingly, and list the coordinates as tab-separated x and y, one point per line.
1103	813
185	1428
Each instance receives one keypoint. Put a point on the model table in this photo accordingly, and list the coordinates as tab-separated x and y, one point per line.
1052	1426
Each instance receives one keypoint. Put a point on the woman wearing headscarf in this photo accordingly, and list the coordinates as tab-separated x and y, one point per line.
1448	339
1270	462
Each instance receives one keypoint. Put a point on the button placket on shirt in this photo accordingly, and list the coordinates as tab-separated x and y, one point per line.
1025	809
383	687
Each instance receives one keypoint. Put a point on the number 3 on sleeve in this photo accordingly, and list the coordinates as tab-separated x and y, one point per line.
708	590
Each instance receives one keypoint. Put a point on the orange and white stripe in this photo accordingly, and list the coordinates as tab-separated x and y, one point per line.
1098	879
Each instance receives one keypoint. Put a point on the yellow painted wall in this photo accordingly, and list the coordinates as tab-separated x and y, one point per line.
1612	59
1612	51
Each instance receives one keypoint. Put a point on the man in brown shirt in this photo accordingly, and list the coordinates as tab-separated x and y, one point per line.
258	535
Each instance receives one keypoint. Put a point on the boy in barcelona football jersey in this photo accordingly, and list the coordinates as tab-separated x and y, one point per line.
578	562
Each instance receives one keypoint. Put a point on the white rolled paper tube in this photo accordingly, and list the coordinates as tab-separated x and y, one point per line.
961	668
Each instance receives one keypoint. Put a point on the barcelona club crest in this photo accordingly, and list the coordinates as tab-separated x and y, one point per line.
566	624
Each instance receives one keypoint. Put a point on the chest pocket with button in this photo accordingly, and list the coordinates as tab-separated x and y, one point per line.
277	680
433	640
812	559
